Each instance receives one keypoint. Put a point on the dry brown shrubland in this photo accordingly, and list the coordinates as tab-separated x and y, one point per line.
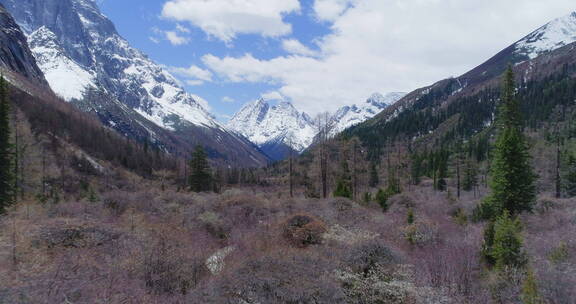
144	245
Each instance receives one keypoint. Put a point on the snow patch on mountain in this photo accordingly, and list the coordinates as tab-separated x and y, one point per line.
348	116
555	34
65	77
263	123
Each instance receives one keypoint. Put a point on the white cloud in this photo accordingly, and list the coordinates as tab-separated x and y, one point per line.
192	75
294	46
175	38
272	95
329	10
227	99
225	19
154	39
182	28
194	82
383	46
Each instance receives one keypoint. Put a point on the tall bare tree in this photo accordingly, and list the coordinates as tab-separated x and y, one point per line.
324	126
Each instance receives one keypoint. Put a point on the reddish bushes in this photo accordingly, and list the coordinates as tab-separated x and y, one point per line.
303	230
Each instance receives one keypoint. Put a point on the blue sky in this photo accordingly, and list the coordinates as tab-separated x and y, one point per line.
321	54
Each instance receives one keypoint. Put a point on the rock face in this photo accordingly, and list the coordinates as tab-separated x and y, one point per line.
79	51
275	129
14	52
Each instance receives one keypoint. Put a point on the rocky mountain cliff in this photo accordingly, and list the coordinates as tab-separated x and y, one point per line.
15	55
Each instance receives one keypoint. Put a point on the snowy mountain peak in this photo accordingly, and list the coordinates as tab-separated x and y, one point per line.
280	124
383	101
555	34
348	116
77	47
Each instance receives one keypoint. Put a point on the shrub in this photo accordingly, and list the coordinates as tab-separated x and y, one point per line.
530	289
365	257
214	225
167	269
76	237
559	254
303	230
284	278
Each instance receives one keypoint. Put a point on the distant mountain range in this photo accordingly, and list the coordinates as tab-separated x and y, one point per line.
279	129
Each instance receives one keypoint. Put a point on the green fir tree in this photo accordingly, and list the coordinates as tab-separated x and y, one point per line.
6	184
511	174
507	248
200	177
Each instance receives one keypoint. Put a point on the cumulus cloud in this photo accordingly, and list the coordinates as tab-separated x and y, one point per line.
225	19
272	95
294	46
175	38
193	75
227	99
182	28
329	10
384	46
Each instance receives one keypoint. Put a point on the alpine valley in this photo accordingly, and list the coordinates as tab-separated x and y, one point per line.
117	185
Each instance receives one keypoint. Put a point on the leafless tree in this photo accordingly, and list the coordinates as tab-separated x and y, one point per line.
324	127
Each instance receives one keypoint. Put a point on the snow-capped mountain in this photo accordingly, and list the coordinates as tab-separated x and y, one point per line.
79	51
271	126
555	34
81	48
348	116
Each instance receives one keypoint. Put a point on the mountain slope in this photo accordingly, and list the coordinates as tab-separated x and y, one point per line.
79	49
466	105
275	129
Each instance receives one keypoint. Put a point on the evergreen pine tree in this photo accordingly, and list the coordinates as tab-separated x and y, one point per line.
470	176
200	177
343	186
488	243
343	190
570	178
511	175
507	248
6	184
374	178
410	216
382	199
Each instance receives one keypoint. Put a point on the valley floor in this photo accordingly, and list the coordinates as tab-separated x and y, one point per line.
259	246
